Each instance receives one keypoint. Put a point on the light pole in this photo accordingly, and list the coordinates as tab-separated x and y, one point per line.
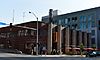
37	33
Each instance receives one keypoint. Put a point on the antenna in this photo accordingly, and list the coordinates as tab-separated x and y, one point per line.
23	16
13	16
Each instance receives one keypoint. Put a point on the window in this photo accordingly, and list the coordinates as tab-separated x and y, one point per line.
62	21
19	32
93	41
66	21
22	32
89	24
93	32
32	32
93	24
89	17
55	22
81	26
72	18
8	35
84	18
81	18
26	32
75	18
59	22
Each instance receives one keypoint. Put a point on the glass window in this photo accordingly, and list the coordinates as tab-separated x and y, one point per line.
81	18
89	18
75	18
84	26
93	41
26	32
19	32
59	22
32	32
93	24
66	21
81	26
93	32
89	24
84	18
8	34
62	21
22	32
72	18
55	22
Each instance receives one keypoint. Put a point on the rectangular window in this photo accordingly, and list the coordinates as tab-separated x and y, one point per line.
59	22
93	24
93	41
72	18
89	24
89	17
66	21
75	18
93	32
84	18
81	18
62	21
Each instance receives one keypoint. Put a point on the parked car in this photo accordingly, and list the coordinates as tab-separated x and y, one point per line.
93	53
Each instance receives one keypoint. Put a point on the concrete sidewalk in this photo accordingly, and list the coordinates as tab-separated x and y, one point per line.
59	56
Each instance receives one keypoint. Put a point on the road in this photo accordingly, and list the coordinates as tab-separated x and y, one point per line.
10	56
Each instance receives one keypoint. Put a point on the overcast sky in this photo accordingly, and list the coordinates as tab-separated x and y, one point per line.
40	8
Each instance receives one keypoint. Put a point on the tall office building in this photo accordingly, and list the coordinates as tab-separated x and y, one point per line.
86	20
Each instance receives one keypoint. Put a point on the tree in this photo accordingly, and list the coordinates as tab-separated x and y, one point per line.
81	48
94	46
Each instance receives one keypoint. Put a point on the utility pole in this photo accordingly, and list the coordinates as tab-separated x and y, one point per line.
37	33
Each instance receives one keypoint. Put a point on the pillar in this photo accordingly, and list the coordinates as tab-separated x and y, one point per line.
85	39
74	39
59	38
67	40
49	42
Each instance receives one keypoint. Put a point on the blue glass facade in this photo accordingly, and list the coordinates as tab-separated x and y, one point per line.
85	20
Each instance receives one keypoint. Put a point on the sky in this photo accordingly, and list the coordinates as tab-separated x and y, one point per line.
16	9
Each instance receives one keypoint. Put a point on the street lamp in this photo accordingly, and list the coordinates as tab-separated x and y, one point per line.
37	33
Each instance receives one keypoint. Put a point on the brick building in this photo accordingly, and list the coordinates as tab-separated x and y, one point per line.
59	38
22	38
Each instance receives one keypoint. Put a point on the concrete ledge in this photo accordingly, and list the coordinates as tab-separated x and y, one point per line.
59	56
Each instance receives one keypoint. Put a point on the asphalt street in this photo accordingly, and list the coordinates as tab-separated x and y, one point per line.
10	56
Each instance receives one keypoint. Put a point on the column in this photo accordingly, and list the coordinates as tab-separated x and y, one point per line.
74	39
49	48
59	38
89	39
80	37
67	40
85	39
